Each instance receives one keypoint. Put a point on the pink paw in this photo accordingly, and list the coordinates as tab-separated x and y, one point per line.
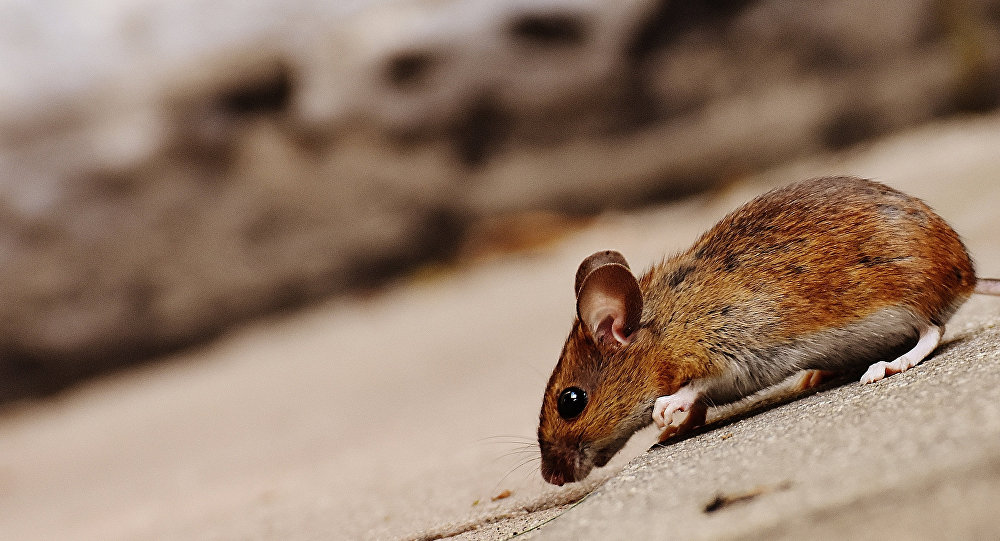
930	337
881	369
665	406
685	399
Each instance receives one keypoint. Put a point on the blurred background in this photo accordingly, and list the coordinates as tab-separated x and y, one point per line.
170	169
175	172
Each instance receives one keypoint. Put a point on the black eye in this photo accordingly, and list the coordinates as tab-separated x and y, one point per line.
571	402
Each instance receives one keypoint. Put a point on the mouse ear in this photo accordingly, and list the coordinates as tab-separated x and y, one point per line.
608	300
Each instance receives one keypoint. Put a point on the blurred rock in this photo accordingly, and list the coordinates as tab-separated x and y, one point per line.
170	168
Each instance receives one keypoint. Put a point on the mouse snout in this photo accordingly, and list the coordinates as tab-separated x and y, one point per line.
553	476
562	465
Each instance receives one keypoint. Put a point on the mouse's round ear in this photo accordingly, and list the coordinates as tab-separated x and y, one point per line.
608	300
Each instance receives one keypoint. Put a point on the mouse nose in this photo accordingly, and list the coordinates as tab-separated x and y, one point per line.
558	466
556	477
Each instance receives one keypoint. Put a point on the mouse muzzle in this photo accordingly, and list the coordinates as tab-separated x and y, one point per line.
569	463
564	464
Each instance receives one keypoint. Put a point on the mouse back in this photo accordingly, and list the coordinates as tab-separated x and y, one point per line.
834	250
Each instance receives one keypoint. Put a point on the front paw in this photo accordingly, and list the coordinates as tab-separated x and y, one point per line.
685	399
665	406
695	417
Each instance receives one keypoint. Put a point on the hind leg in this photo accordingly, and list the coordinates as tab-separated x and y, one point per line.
930	337
810	379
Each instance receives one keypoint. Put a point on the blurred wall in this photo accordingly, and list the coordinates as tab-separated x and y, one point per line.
170	168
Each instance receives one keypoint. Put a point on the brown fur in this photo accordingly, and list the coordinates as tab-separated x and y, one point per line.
758	297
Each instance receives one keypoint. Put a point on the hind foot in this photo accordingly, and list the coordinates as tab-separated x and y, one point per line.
930	337
812	378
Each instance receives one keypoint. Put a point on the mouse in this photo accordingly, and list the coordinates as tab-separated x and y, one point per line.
825	277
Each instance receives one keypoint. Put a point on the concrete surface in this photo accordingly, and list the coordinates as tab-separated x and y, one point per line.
389	415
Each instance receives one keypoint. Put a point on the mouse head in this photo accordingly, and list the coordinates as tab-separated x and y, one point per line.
596	397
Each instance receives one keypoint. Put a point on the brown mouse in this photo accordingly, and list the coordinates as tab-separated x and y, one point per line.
829	275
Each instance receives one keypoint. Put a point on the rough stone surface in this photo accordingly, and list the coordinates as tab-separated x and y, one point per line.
169	168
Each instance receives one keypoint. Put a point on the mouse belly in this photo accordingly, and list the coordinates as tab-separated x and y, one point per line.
882	336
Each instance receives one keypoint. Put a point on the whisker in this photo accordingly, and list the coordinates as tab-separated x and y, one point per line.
518	452
529	473
508	437
511	449
521	445
518	443
519	466
511	472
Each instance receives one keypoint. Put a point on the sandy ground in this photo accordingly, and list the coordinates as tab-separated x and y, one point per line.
404	413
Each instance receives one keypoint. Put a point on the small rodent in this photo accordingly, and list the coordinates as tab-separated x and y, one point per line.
823	276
